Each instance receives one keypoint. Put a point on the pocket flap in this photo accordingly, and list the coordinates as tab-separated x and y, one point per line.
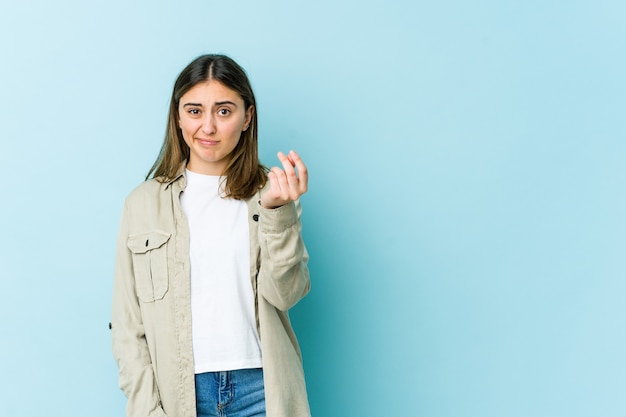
144	242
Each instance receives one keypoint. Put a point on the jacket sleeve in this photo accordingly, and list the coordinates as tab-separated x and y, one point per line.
283	274
130	350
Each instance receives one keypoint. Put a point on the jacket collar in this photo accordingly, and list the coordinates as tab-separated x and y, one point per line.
181	174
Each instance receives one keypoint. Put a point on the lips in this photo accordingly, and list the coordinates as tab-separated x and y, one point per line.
207	142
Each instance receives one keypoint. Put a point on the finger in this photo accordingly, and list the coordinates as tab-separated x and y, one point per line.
285	161
290	157
290	174
282	185
303	173
282	157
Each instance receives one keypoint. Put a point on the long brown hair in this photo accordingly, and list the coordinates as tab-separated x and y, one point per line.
244	174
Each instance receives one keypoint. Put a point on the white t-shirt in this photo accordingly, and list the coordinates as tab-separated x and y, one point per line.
222	299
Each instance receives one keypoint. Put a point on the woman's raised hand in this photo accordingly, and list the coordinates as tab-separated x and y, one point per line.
286	184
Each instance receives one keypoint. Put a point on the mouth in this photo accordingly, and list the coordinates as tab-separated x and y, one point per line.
207	142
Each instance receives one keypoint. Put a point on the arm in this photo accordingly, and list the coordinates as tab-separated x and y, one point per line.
130	350
283	274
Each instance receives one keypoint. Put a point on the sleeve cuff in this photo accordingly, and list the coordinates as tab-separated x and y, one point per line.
278	219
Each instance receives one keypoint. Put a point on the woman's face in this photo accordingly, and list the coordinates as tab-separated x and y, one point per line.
212	117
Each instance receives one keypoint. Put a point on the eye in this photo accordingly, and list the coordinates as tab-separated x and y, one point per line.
193	111
224	112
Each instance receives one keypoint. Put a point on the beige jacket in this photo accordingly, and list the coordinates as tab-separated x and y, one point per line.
151	317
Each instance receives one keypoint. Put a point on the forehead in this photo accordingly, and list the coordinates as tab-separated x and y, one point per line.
209	92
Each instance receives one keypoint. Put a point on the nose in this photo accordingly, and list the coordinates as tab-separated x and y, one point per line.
208	124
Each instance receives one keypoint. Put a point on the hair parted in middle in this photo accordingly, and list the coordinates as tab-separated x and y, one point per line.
244	174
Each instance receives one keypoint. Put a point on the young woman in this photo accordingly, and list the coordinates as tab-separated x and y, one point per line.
209	260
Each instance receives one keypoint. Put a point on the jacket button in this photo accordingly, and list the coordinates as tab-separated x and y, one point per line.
255	217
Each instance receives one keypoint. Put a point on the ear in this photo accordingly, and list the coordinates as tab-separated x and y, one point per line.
248	119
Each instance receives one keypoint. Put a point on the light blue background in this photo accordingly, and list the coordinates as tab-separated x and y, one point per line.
466	213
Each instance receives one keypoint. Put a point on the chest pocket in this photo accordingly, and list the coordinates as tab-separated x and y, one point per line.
150	264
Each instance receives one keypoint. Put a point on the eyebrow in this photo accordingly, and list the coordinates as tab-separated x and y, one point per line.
221	103
217	103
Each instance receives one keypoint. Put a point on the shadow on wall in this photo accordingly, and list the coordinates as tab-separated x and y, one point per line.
332	321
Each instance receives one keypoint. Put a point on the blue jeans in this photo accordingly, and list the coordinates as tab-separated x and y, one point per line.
237	393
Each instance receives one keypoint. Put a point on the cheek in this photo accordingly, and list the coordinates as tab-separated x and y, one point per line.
235	127
188	127
187	134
